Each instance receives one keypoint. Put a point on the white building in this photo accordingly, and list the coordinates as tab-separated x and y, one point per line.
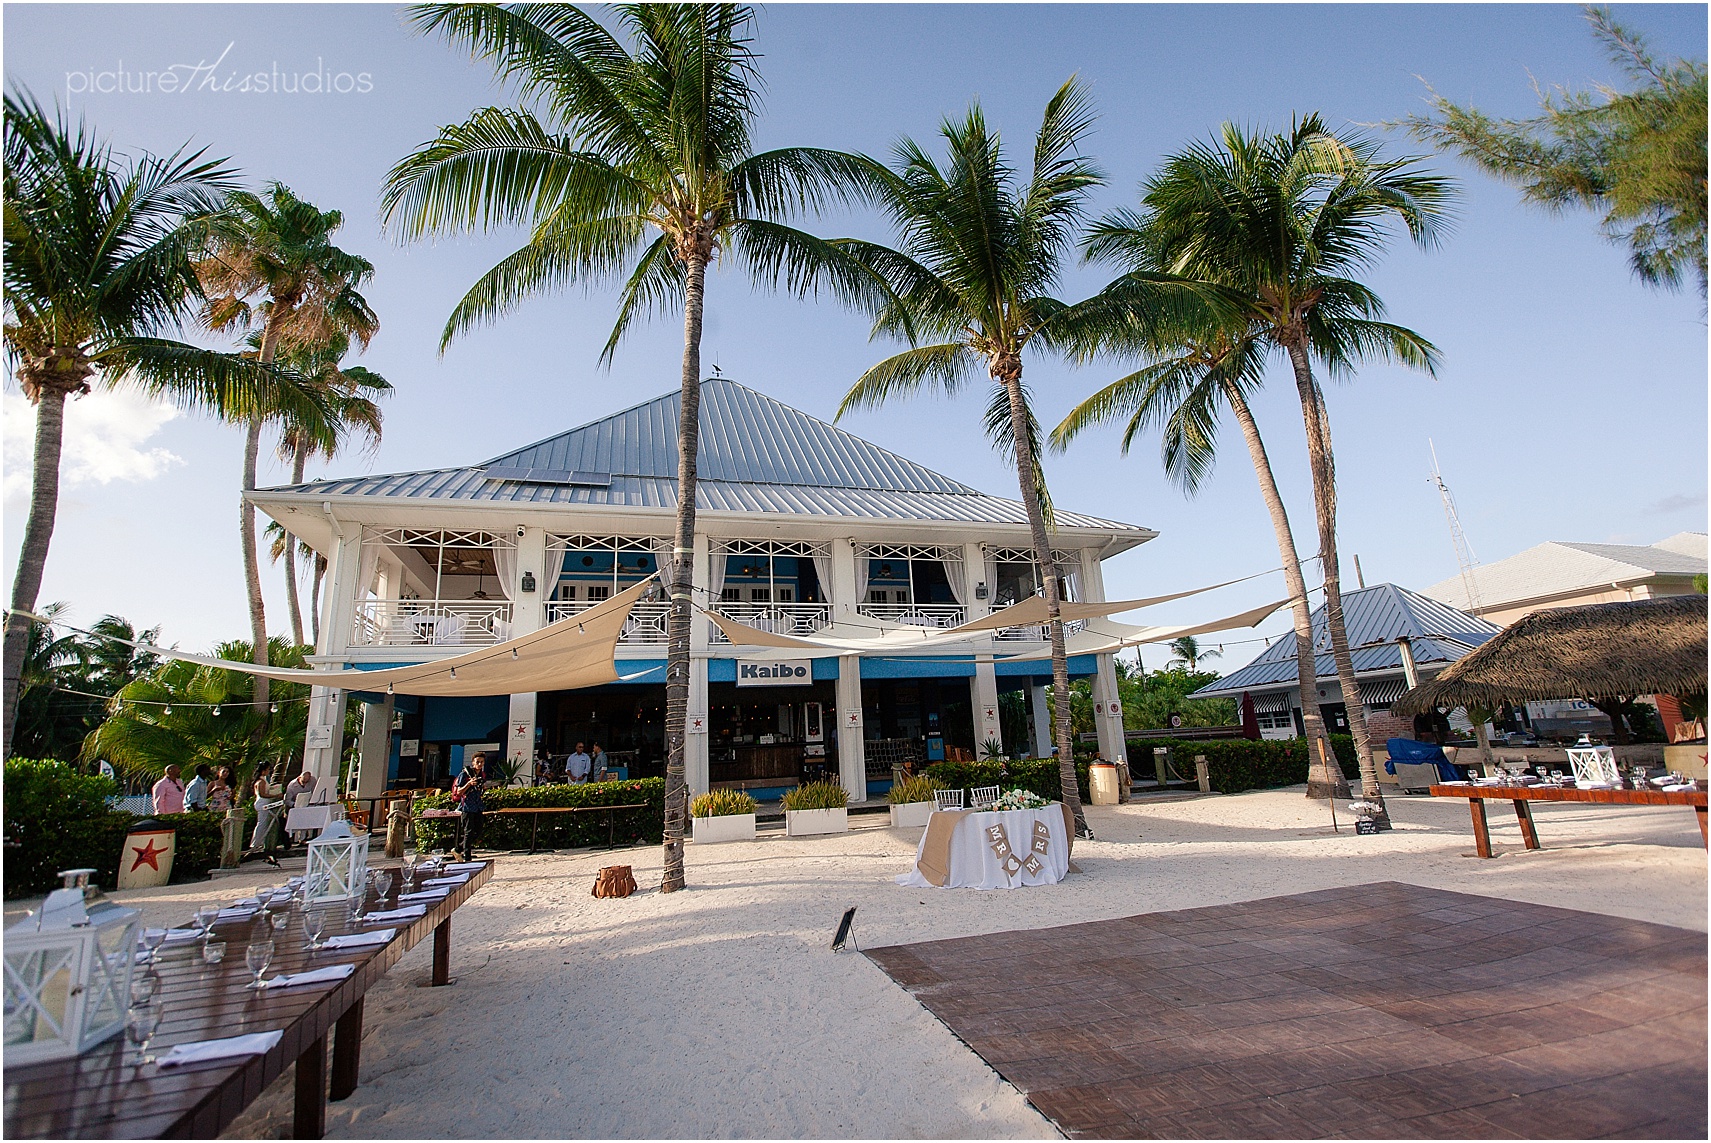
799	521
1559	574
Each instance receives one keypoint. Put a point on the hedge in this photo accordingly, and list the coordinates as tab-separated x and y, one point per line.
557	831
1036	775
1238	764
59	819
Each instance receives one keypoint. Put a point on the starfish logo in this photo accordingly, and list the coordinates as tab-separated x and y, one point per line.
147	855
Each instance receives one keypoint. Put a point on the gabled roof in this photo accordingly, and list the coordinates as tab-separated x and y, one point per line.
1557	568
756	455
1375	617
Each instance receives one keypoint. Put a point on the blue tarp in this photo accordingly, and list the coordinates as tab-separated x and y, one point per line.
1407	750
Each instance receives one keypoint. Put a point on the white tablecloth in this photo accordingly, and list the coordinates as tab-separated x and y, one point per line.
307	818
973	864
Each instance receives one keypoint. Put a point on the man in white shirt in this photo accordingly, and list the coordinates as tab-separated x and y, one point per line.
304	783
578	764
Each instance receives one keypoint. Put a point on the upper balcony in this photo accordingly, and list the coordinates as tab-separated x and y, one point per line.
431	623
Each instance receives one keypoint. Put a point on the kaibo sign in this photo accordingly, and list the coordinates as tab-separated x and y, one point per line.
775	673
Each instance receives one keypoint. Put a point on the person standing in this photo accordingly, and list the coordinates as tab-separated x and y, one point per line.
169	793
467	791
267	805
576	767
300	788
597	763
196	793
220	798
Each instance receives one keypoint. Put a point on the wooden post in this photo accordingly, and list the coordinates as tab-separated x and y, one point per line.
1159	762
309	1116
1203	773
347	1051
443	952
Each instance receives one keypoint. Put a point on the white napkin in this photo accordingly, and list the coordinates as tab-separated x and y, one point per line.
203	1051
182	936
466	867
359	940
1683	786
333	972
236	913
406	914
426	895
448	881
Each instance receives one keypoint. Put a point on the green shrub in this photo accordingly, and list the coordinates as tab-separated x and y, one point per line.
1238	764
557	831
1037	775
917	789
817	796
722	804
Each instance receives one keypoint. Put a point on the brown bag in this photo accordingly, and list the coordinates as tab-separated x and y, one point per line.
614	881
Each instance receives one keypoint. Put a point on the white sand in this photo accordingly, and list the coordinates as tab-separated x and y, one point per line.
720	1012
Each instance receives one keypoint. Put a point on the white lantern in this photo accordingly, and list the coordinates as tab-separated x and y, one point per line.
338	863
68	973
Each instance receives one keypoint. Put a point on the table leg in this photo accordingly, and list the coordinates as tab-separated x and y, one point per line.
611	829
443	952
347	1051
1699	811
534	830
1481	835
309	1118
1529	832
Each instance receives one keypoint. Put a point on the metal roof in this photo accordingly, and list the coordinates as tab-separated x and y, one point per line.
1375	618
756	455
1555	568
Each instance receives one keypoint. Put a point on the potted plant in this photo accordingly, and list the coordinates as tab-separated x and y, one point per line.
817	807
912	800
722	815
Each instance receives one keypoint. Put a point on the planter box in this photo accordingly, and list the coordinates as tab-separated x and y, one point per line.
911	814
804	823
728	827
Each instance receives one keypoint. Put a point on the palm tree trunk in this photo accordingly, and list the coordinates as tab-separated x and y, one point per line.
1323	465
315	602
33	555
252	565
682	571
1324	776
1007	371
299	460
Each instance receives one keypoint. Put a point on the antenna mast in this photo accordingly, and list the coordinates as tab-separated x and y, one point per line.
1465	558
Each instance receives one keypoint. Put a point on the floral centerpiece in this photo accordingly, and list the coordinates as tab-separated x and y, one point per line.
1020	800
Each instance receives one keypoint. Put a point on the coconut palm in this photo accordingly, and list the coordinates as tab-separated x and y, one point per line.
68	677
1285	220
98	271
1181	392
273	268
638	163
1190	654
980	250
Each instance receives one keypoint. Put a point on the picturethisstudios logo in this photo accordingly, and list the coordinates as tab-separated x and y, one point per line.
224	75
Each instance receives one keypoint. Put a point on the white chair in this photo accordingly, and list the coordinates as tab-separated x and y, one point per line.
1594	765
982	796
948	799
448	630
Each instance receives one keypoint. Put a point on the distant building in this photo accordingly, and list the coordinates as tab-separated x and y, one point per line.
1387	626
1559	574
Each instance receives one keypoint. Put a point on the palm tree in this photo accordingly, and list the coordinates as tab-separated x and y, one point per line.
1283	221
273	268
1181	392
1190	654
640	161
98	269
67	678
980	250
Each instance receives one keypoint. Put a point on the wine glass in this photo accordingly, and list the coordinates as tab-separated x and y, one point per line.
316	924
264	894
206	916
141	1022
258	956
151	940
279	918
144	987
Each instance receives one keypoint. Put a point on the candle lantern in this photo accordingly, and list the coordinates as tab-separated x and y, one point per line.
338	863
68	973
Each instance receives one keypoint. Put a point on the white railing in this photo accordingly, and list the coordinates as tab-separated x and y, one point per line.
916	614
776	618
1038	633
645	626
431	622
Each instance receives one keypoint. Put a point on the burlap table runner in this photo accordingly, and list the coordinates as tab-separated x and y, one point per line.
935	860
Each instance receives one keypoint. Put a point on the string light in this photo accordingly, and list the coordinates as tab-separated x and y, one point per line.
216	712
513	654
273	708
454	672
166	710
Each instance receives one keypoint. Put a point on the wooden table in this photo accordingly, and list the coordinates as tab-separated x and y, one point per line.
100	1094
537	811
1520	796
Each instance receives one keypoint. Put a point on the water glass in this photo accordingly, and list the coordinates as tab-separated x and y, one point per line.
142	1021
258	956
279	919
144	987
316	924
213	952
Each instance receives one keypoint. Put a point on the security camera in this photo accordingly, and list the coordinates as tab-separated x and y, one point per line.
520	530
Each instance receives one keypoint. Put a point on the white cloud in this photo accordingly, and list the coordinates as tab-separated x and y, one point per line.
106	434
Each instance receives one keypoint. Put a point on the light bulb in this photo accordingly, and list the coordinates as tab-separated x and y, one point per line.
165	710
454	672
216	710
513	654
273	708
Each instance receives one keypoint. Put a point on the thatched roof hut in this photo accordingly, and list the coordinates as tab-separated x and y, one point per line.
1649	646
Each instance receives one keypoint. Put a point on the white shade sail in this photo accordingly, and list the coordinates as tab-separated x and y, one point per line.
1032	610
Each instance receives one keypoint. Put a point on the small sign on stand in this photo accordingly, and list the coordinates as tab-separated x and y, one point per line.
1365	825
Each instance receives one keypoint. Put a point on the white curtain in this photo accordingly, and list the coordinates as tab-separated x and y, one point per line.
1071	572
505	563
366	565
989	565
862	566
663	556
956	575
553	569
716	563
823	573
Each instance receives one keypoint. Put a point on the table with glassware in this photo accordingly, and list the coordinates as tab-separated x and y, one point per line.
223	1005
996	848
1522	794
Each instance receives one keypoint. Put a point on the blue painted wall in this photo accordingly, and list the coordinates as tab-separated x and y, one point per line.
472	719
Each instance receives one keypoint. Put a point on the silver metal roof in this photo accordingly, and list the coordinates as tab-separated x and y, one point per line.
757	455
1555	568
1375	618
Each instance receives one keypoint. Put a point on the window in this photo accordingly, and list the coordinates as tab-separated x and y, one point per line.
760	595
786	595
595	592
731	595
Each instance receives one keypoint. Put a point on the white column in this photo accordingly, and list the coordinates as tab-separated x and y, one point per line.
374	749
974	572
528	614
852	757
338	594
843	580
324	739
1042	720
520	734
696	771
1107	706
983	693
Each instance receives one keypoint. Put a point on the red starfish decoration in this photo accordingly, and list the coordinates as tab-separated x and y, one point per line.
150	855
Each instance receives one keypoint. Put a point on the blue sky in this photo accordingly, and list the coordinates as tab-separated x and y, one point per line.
1571	404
